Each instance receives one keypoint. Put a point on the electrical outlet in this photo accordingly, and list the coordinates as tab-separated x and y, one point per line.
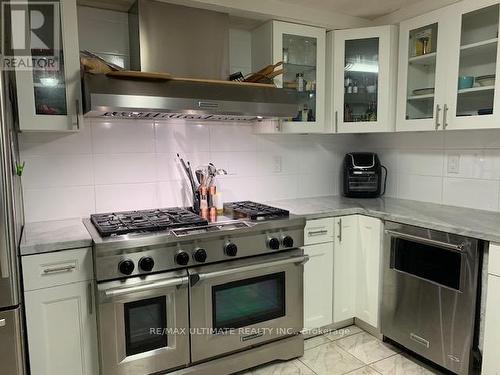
277	164
454	164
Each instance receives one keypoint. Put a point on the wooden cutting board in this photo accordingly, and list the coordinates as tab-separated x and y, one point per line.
152	76
232	83
133	74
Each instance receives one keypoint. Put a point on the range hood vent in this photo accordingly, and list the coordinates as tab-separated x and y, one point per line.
112	97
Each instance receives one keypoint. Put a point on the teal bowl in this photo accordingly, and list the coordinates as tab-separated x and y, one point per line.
465	82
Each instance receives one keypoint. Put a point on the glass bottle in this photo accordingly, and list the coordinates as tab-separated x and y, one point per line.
299	78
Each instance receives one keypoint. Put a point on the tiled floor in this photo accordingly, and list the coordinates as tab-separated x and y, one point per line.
347	351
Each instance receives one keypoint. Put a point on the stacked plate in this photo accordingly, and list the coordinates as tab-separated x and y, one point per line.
488	80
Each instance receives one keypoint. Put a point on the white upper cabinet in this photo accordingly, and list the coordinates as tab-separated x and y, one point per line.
363	81
447	68
472	64
423	63
302	49
50	99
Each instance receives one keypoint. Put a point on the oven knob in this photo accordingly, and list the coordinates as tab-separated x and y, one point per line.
287	241
146	264
182	258
126	266
273	243
231	249
200	255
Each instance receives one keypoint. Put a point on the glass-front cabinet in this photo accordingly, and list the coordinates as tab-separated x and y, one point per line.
364	79
422	72
49	93
447	68
471	100
301	52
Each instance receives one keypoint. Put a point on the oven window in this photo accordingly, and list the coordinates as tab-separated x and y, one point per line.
145	321
442	266
249	301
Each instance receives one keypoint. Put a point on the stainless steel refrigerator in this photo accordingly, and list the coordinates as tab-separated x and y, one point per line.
12	360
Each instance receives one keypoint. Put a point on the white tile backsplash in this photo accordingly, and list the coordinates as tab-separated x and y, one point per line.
176	137
125	165
123	197
420	188
58	203
124	168
479	164
421	162
58	171
315	185
232	138
418	166
472	193
45	144
122	136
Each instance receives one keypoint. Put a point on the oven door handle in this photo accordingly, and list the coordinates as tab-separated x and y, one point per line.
197	277
423	240
117	292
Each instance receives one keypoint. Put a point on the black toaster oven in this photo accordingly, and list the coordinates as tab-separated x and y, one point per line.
363	175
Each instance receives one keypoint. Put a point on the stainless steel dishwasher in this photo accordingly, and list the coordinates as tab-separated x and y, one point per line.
429	293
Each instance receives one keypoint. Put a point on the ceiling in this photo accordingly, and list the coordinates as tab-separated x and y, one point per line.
370	9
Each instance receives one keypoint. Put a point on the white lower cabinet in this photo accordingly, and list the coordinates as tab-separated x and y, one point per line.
368	272
491	361
344	264
356	270
60	318
318	285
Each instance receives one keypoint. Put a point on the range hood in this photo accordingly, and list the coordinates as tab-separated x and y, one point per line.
185	42
113	97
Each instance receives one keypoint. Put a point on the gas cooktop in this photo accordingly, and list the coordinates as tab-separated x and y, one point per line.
136	243
118	223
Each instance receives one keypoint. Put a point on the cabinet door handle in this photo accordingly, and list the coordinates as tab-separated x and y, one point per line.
77	102
445	116
339	236
336	121
69	268
91	299
313	233
438	109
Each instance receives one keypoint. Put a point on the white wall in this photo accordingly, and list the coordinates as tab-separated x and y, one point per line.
125	165
418	166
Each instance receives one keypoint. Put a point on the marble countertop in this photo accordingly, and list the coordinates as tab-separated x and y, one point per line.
47	236
464	221
67	234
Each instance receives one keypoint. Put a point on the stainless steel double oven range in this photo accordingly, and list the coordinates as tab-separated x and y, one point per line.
199	299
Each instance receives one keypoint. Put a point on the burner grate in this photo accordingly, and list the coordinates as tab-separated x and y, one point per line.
119	223
254	211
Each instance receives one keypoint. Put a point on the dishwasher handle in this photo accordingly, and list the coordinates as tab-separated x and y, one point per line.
197	277
427	241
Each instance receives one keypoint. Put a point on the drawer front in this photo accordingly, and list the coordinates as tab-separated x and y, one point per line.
494	259
318	231
52	269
